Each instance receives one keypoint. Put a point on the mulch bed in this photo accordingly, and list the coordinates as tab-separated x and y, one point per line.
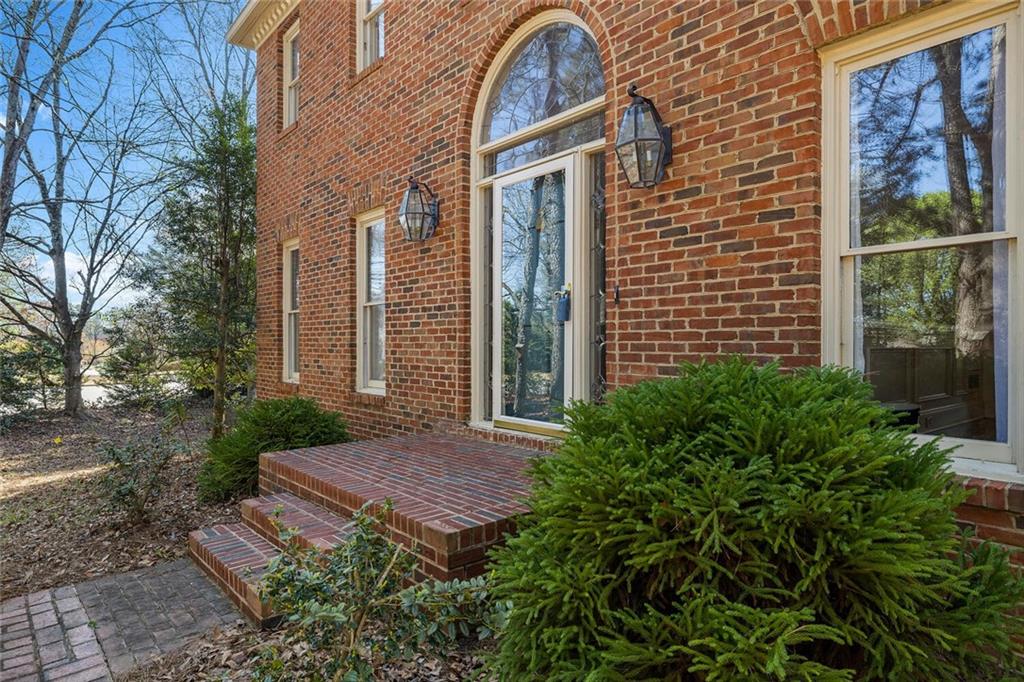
232	654
56	527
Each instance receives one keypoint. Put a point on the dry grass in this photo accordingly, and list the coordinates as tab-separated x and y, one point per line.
55	524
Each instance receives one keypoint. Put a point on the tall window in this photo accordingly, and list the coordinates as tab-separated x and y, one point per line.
924	218
369	32
370	302
290	312
539	244
291	75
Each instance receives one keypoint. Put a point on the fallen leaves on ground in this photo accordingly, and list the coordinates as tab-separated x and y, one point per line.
232	654
56	527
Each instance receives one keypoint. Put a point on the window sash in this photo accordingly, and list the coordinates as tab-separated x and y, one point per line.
365	381
839	62
371	34
290	82
290	302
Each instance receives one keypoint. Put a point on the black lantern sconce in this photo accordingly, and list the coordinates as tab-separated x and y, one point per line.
644	144
418	213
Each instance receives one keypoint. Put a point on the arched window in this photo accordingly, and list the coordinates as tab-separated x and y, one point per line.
538	320
556	69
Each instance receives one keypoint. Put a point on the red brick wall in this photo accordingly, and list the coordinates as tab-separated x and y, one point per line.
721	257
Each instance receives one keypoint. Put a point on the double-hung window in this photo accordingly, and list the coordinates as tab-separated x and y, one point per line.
370	302
369	32
291	75
924	214
290	311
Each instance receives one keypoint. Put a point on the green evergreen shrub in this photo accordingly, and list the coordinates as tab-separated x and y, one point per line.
739	523
232	467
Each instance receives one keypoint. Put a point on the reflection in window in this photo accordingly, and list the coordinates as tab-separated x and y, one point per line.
546	144
374	308
556	69
927	161
927	136
930	332
532	272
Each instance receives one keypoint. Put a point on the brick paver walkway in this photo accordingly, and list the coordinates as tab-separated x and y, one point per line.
106	626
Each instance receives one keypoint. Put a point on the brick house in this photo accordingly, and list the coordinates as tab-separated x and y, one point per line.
846	186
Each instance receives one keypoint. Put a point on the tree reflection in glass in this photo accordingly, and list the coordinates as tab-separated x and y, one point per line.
532	272
927	151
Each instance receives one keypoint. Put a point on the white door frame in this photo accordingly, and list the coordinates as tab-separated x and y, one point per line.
567	164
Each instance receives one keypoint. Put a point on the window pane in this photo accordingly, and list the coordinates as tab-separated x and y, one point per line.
295	57
294	283
930	332
533	267
927	142
375	343
293	343
373	39
375	262
586	130
293	102
555	70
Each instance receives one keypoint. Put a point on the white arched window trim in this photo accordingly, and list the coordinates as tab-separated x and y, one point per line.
480	183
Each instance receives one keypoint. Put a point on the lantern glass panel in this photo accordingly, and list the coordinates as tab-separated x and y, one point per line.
627	130
650	159
628	159
647	125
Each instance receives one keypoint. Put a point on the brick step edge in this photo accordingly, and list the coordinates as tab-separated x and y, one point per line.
315	526
234	557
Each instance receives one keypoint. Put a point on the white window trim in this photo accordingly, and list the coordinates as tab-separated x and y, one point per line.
363	383
480	396
287	82
838	61
362	19
286	311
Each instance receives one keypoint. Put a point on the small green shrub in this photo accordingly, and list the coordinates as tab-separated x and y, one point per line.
348	605
232	467
138	473
739	523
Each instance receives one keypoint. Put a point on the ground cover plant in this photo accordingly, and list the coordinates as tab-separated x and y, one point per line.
738	522
353	606
232	467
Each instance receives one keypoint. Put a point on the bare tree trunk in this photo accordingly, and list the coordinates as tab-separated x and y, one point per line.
71	357
974	279
524	328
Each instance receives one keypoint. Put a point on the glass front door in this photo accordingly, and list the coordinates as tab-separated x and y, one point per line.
533	306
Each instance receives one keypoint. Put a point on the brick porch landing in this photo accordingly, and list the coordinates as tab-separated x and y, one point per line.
453	496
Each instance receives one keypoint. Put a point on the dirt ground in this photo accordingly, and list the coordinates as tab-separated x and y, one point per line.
56	527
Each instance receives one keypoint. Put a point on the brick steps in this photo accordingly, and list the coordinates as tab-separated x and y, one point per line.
235	556
316	526
454	498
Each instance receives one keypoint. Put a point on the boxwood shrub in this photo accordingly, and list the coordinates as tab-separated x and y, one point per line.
232	465
741	523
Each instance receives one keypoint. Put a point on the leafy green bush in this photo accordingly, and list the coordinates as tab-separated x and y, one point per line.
268	425
138	473
742	523
348	605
